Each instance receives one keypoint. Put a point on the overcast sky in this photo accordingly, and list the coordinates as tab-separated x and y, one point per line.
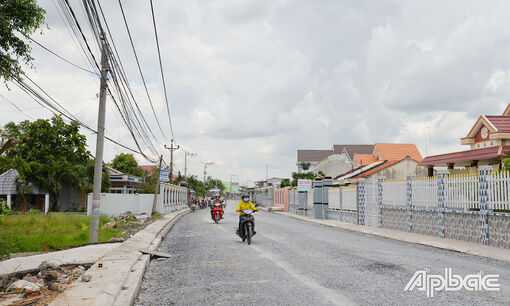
249	82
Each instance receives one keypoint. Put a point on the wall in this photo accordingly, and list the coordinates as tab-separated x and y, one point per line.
333	165
114	204
170	198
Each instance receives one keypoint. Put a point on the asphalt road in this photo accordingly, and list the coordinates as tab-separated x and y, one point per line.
294	262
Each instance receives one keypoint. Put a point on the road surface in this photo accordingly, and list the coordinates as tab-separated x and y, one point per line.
294	262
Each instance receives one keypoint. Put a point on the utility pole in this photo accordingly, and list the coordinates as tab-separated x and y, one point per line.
205	172
172	149
186	154
98	164
231	176
156	192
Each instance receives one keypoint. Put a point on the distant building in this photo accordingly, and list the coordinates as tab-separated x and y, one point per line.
123	183
489	142
331	162
234	189
388	160
70	197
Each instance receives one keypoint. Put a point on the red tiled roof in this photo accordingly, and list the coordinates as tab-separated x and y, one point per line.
476	154
365	159
502	123
398	151
148	168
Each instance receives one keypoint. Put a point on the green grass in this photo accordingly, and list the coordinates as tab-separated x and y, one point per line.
31	232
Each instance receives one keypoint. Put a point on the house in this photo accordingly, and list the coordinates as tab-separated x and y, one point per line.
388	160
488	141
148	168
331	162
123	183
70	197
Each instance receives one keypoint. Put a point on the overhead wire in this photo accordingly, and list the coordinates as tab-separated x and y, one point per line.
161	69
139	67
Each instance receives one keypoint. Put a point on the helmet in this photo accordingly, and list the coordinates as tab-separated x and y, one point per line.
213	196
245	196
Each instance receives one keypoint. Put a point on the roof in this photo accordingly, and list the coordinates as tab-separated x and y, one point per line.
397	151
8	183
378	168
148	168
318	155
353	149
365	159
475	154
502	123
355	172
313	155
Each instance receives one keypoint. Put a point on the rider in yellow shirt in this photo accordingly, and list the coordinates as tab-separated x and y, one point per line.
245	203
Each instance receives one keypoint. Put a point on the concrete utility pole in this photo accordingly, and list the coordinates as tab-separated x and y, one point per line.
98	165
205	167
156	192
172	149
186	154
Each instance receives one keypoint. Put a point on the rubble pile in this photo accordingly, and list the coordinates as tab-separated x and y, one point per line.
39	288
131	222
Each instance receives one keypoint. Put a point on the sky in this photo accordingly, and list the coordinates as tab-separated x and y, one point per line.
251	81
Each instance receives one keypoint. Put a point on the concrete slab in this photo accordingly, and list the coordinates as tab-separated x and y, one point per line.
82	255
442	243
117	281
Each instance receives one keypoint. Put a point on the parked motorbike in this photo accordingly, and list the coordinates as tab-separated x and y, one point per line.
216	213
247	225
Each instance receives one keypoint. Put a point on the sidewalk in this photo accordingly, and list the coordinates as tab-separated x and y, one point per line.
117	282
77	256
442	243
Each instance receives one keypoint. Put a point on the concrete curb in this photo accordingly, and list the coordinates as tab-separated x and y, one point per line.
134	279
118	280
432	241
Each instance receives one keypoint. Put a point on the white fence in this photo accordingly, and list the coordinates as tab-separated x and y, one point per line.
170	198
395	192
424	190
346	200
499	191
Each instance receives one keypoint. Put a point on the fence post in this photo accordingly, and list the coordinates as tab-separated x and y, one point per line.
483	195
409	187
340	199
380	199
441	203
360	209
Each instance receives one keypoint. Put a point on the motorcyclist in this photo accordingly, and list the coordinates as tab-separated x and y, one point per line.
214	201
245	203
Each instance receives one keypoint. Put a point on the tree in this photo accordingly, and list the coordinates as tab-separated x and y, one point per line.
49	153
285	183
196	185
16	16
305	165
215	183
126	163
150	181
320	173
303	176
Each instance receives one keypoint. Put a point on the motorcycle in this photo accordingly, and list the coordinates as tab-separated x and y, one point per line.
247	225
216	213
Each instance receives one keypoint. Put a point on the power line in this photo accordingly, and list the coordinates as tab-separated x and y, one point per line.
161	69
140	69
12	103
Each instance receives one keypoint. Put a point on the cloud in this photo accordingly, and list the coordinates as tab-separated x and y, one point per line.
249	82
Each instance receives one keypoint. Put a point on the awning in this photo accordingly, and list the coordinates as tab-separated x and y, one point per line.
466	156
